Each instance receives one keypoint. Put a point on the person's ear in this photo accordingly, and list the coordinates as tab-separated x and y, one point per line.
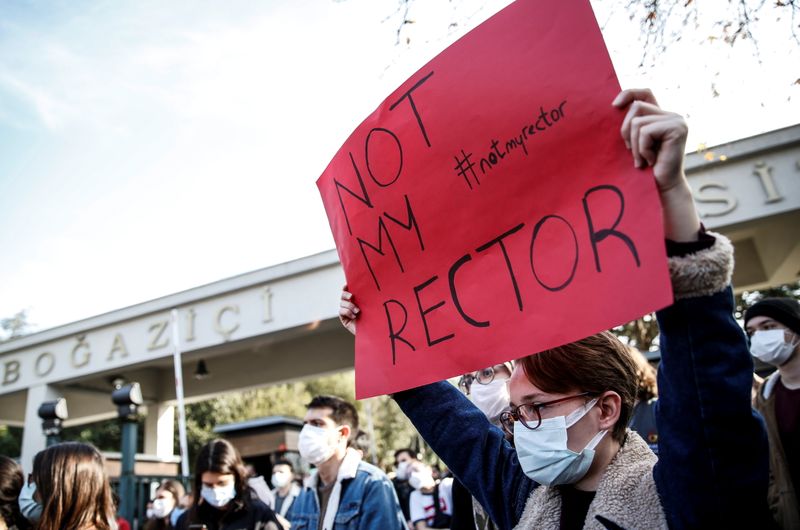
610	405
345	430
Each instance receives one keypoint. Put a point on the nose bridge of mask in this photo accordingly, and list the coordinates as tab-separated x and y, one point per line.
491	398
775	334
498	386
323	433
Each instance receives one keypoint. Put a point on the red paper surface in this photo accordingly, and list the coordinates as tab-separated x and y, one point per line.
488	209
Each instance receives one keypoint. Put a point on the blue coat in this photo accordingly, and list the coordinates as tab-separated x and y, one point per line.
368	501
713	462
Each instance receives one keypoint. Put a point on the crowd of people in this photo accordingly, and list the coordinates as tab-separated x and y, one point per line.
578	436
564	455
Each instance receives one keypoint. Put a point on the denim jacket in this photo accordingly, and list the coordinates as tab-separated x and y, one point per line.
368	501
713	459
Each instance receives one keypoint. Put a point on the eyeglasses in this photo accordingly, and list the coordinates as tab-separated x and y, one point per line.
529	414
482	377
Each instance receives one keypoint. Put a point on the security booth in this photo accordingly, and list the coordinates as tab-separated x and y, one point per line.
264	441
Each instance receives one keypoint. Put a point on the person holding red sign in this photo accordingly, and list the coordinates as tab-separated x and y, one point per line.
573	462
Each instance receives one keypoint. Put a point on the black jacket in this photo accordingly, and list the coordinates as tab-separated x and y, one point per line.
247	514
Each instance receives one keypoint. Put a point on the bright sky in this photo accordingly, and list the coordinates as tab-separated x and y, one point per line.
149	147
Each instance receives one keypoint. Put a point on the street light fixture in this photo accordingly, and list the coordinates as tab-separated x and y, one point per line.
53	413
128	398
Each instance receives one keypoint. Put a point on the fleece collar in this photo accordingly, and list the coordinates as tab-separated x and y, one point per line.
626	495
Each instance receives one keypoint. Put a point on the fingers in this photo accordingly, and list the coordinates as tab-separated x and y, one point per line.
663	142
642	143
642	102
626	97
637	109
348	309
648	144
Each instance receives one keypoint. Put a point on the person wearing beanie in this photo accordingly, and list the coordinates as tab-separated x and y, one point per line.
773	325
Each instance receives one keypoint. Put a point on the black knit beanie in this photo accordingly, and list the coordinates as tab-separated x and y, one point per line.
784	310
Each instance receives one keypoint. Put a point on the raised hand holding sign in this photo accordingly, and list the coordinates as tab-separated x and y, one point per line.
488	208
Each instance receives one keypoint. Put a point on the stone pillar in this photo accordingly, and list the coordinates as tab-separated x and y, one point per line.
159	430
33	439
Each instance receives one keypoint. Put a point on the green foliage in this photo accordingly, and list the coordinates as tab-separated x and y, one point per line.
280	400
392	429
105	435
10	441
342	385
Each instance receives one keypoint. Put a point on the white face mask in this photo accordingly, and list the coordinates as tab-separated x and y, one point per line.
421	479
543	452
770	346
162	507
402	470
491	399
217	497
315	444
280	479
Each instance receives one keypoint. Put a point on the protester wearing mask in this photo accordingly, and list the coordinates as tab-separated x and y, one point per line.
574	464
431	503
68	488
222	498
11	481
403	459
488	389
343	492
164	509
30	504
285	489
773	325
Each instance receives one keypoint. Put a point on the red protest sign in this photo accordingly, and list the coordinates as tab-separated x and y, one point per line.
488	209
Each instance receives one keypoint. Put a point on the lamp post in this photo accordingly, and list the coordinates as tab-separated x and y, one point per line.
53	413
127	398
